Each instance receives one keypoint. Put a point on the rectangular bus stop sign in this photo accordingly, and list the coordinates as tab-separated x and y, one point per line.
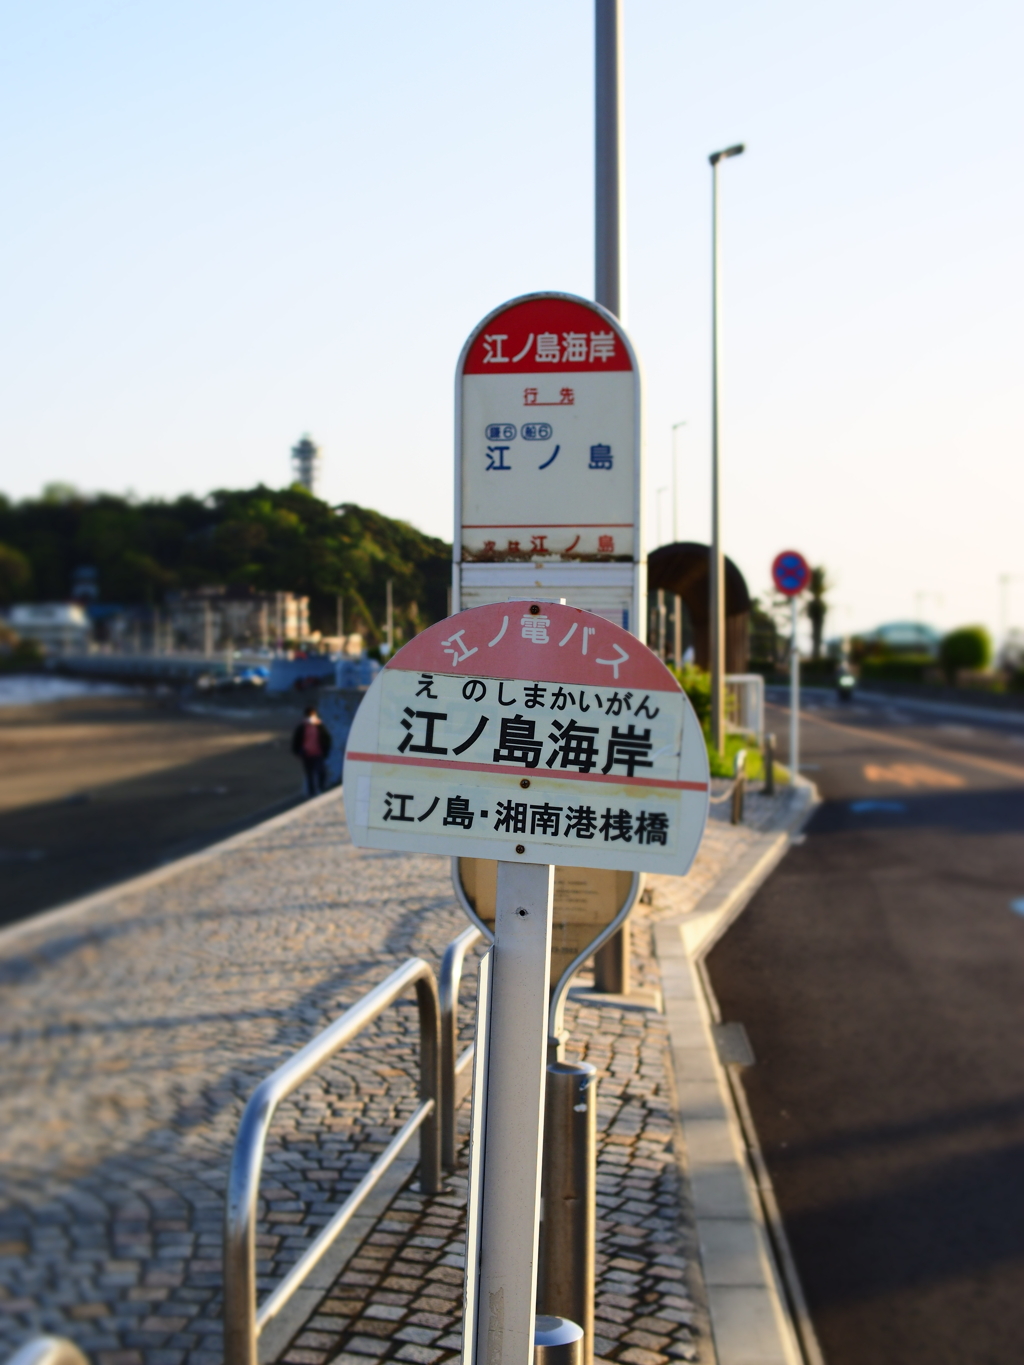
548	459
529	731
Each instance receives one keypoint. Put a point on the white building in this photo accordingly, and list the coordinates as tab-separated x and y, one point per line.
58	627
213	618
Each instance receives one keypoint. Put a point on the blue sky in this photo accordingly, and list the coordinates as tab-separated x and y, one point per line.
229	224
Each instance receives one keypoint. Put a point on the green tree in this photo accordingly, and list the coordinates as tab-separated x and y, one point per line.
273	540
15	574
765	636
56	494
816	608
967	647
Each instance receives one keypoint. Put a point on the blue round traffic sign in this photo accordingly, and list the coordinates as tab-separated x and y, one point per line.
791	572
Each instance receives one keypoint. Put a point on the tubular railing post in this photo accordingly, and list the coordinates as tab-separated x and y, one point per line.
569	1227
448	990
739	787
48	1351
240	1334
241	1321
430	1084
611	963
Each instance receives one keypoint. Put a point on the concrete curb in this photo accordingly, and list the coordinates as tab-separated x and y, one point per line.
71	910
752	1320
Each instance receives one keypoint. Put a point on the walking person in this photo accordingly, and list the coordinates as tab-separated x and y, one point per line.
311	742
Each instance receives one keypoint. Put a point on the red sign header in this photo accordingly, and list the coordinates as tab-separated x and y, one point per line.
547	335
536	641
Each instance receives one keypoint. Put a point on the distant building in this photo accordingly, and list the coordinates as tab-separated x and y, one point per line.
58	627
216	617
306	464
85	584
902	637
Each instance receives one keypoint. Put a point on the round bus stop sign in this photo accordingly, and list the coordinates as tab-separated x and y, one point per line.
529	731
790	572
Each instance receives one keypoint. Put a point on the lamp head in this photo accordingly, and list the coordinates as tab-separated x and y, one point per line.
716	157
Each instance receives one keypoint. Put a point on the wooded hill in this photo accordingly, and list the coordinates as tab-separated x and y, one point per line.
270	539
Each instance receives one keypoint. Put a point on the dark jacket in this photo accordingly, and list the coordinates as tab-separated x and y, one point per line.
325	740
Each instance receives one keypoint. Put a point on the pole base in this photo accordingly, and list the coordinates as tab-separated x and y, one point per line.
557	1341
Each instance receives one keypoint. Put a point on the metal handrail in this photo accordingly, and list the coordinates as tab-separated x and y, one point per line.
48	1351
452	1066
242	1322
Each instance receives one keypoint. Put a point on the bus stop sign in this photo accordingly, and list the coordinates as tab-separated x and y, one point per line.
534	732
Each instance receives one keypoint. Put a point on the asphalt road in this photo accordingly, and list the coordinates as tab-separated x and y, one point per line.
880	976
97	789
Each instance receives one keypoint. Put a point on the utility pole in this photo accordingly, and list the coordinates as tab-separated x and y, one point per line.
1005	579
657	510
675	484
611	967
609	216
717	622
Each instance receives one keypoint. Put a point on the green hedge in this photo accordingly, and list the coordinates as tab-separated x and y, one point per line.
910	668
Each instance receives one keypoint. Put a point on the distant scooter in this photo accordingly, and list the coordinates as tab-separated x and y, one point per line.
845	684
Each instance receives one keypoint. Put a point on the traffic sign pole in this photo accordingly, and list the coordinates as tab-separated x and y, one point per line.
794	694
791	573
512	1119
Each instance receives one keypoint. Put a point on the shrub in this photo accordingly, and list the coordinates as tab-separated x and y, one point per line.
818	672
968	647
696	683
15	573
724	764
18	656
909	668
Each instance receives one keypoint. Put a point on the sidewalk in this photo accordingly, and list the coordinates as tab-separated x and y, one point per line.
143	1019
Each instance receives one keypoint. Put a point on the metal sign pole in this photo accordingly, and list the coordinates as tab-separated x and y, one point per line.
513	1120
794	695
608	139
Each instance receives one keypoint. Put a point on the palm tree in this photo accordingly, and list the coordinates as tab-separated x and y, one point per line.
817	608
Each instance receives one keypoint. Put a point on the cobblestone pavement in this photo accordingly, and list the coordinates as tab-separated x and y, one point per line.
135	1032
399	1298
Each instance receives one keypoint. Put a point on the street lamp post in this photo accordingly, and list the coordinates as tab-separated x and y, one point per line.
1005	580
717	622
675	483
609	217
657	504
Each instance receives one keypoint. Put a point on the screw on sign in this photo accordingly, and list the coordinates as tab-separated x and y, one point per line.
790	572
532	733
